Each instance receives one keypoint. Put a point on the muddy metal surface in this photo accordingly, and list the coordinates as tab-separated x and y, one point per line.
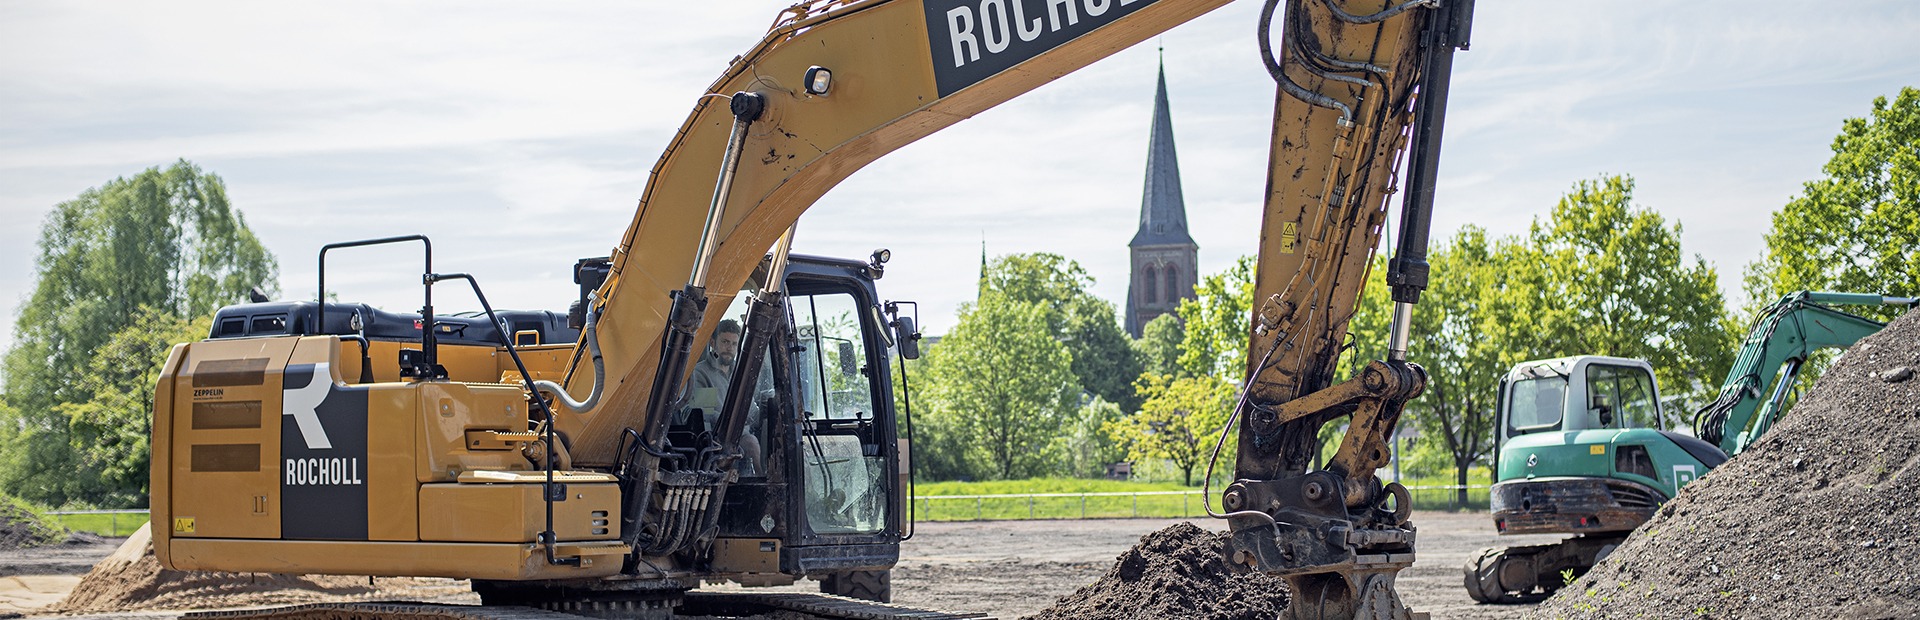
1007	568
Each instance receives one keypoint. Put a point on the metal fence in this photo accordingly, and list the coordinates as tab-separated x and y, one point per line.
1165	504
102	522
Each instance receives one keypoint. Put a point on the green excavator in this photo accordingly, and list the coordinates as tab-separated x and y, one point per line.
1585	448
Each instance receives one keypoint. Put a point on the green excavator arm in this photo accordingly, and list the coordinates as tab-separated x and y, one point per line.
1777	346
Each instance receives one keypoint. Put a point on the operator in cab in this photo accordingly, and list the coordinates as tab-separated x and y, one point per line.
708	386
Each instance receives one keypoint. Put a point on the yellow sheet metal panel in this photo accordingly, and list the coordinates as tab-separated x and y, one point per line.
503	561
447	411
392	486
746	555
224	475
160	465
515	513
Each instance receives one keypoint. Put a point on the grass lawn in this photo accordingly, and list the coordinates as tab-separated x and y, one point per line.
117	524
1071	498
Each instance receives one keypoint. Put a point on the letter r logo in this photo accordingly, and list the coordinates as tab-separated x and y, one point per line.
302	401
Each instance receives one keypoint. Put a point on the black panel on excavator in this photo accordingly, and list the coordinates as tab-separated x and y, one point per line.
296	318
1708	454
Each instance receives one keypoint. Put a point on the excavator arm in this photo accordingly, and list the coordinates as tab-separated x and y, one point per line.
836	84
1779	343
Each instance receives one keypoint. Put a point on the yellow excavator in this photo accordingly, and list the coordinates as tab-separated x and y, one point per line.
591	462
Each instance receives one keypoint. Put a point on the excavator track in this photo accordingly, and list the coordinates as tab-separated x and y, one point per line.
824	606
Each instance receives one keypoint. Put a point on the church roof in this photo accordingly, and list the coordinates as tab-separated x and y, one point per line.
1163	212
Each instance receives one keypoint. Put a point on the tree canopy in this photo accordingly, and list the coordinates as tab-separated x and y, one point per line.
1857	229
1216	322
1180	421
1603	276
148	252
1103	359
1003	387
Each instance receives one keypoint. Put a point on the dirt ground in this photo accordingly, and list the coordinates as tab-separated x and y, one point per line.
1006	568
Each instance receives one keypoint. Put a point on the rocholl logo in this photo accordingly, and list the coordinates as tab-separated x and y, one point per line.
973	39
323	472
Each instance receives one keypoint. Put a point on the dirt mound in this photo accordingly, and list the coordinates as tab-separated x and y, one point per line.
131	579
1177	572
1816	520
20	528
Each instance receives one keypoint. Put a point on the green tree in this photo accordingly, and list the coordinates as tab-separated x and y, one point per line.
1103	358
1605	277
1158	348
1858	228
1367	332
165	240
1450	339
1180	420
1001	380
1216	321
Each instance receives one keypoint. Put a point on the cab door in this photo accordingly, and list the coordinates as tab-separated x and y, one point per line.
844	423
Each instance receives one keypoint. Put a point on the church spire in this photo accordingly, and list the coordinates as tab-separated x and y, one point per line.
1163	211
1165	258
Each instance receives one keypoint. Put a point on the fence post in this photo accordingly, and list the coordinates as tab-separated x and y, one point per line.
978	515
1183	504
1136	505
1029	506
1083	505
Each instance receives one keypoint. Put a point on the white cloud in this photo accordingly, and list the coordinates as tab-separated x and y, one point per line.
519	136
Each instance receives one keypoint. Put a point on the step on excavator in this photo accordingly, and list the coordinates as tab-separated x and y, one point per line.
714	408
1586	450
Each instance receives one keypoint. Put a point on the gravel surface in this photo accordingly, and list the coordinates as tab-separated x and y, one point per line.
1008	569
1815	521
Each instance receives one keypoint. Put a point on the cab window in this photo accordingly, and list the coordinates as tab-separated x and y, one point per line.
844	469
1536	404
1621	397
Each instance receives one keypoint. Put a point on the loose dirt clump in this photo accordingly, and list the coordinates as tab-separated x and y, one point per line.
20	528
131	579
1815	521
1177	572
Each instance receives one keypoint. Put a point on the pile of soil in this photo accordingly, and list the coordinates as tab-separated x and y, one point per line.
20	528
1816	520
1177	572
131	579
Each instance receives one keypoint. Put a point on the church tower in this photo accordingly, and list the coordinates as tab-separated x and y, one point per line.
1165	258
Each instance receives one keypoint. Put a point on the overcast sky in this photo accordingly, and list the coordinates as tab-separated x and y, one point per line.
519	135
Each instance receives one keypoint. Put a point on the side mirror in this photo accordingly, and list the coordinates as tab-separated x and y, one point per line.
849	364
906	337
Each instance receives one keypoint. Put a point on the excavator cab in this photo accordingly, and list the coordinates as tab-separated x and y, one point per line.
829	500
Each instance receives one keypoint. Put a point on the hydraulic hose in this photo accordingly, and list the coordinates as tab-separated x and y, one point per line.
1287	84
559	392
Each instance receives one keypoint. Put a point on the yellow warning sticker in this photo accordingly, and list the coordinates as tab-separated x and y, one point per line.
1289	231
1597	449
183	525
